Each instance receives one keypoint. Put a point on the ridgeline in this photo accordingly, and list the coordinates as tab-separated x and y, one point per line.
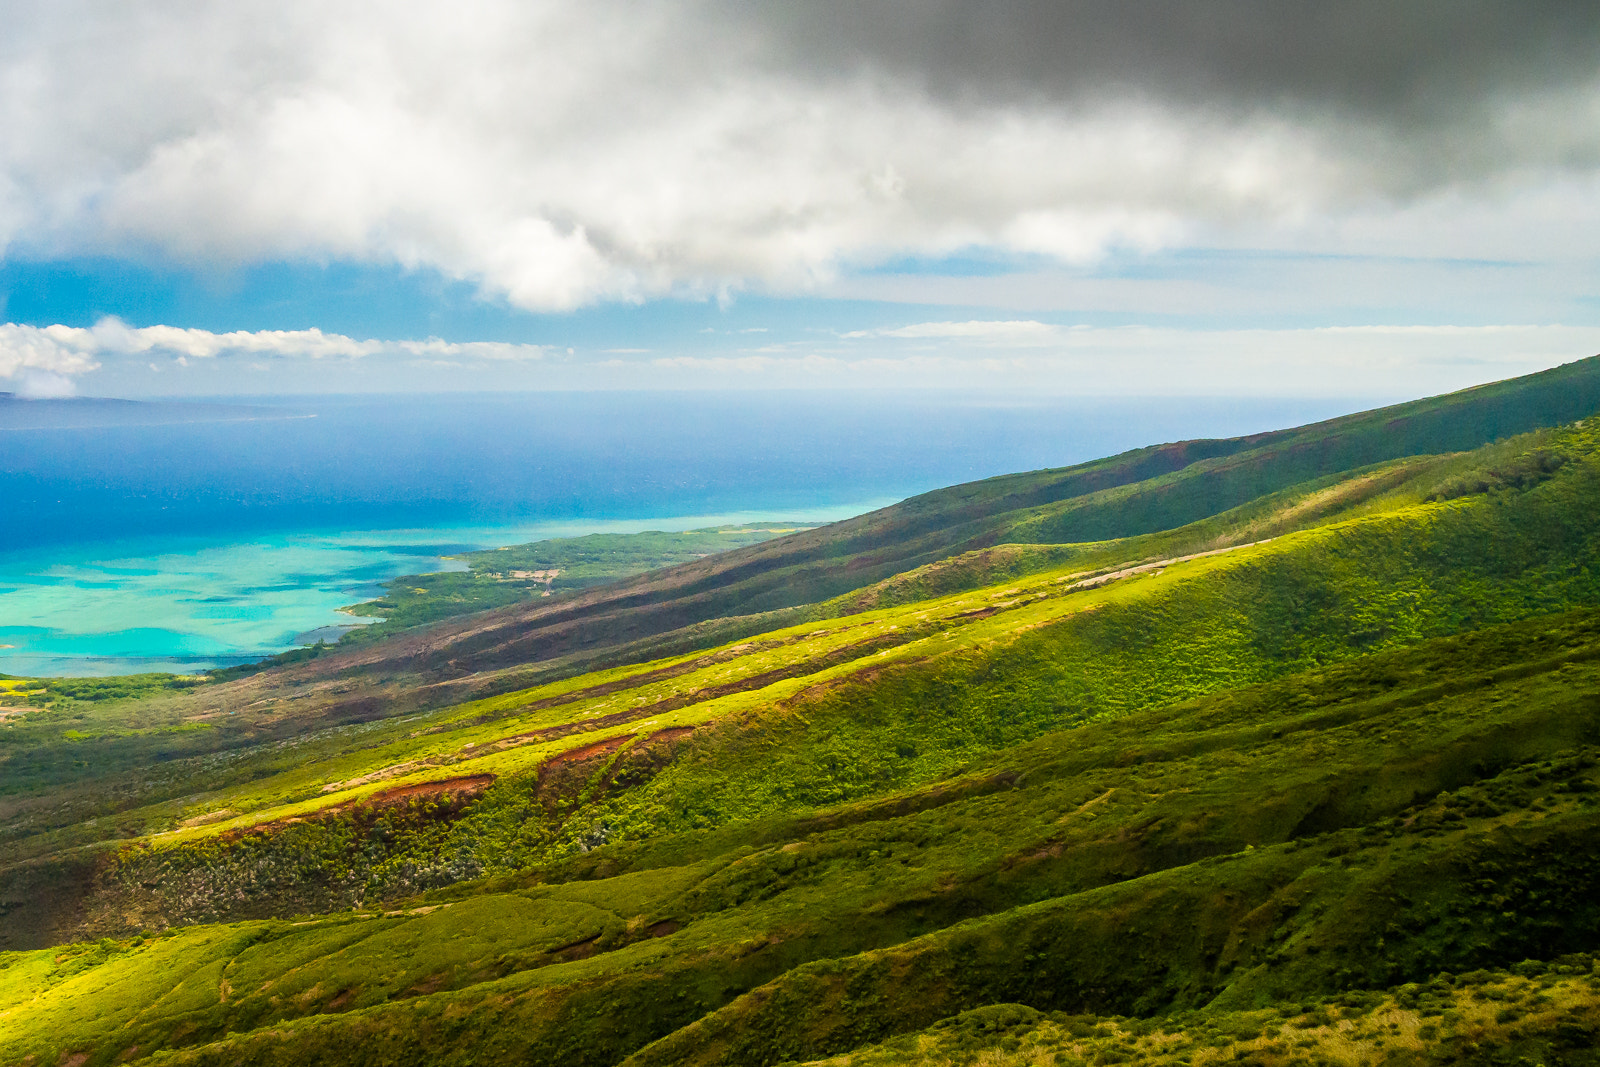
1277	749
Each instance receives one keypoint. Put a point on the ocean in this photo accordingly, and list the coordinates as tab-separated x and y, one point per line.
179	536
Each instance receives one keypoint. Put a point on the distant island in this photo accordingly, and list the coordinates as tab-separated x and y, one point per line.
76	413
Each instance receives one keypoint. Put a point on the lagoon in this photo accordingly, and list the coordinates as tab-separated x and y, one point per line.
186	605
183	536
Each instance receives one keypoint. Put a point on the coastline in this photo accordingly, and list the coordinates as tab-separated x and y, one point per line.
191	604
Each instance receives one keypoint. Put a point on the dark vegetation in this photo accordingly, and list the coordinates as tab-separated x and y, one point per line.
518	573
62	693
1282	750
1533	1013
1145	491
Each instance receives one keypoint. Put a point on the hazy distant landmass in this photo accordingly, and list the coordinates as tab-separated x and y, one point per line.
117	468
88	412
177	535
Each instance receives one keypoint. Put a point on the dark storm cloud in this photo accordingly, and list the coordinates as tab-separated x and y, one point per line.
564	152
1390	61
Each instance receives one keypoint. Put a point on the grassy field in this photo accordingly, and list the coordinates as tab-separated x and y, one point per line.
1311	776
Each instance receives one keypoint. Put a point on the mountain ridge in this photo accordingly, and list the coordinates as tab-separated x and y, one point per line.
1328	742
790	572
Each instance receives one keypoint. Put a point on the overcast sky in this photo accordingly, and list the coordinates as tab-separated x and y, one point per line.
1122	196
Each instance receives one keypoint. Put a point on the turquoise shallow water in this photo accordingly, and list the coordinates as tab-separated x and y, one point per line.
163	604
181	535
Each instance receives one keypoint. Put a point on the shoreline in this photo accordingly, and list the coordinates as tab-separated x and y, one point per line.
191	603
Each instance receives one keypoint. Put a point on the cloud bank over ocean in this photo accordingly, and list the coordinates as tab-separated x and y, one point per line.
57	352
1018	355
498	195
562	153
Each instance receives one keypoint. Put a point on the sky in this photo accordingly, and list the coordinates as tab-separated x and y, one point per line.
1101	198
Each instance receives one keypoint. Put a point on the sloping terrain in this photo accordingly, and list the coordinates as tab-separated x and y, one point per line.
517	573
1143	491
1278	746
1537	1014
1354	827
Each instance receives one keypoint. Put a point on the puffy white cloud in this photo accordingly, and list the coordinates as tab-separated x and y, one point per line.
50	356
52	351
559	153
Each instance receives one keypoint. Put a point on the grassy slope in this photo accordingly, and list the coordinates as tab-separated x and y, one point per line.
1142	491
689	795
1537	1014
505	576
907	694
673	612
1335	830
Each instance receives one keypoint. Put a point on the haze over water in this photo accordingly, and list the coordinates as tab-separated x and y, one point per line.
185	536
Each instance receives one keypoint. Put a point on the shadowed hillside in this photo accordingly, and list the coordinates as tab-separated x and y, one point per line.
1149	489
1261	750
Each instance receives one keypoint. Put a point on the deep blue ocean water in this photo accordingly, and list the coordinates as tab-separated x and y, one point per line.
179	536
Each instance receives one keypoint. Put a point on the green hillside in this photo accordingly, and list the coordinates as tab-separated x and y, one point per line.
514	573
1144	491
1275	750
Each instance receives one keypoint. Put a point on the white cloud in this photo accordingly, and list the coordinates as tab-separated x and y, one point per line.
41	384
1385	362
982	332
59	353
27	349
1024	356
493	351
559	153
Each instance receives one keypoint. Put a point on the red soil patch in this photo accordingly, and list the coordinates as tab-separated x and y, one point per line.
431	984
454	788
578	755
471	785
560	768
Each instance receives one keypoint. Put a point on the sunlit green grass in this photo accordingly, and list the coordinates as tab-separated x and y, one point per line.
1100	841
1405	569
1354	752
